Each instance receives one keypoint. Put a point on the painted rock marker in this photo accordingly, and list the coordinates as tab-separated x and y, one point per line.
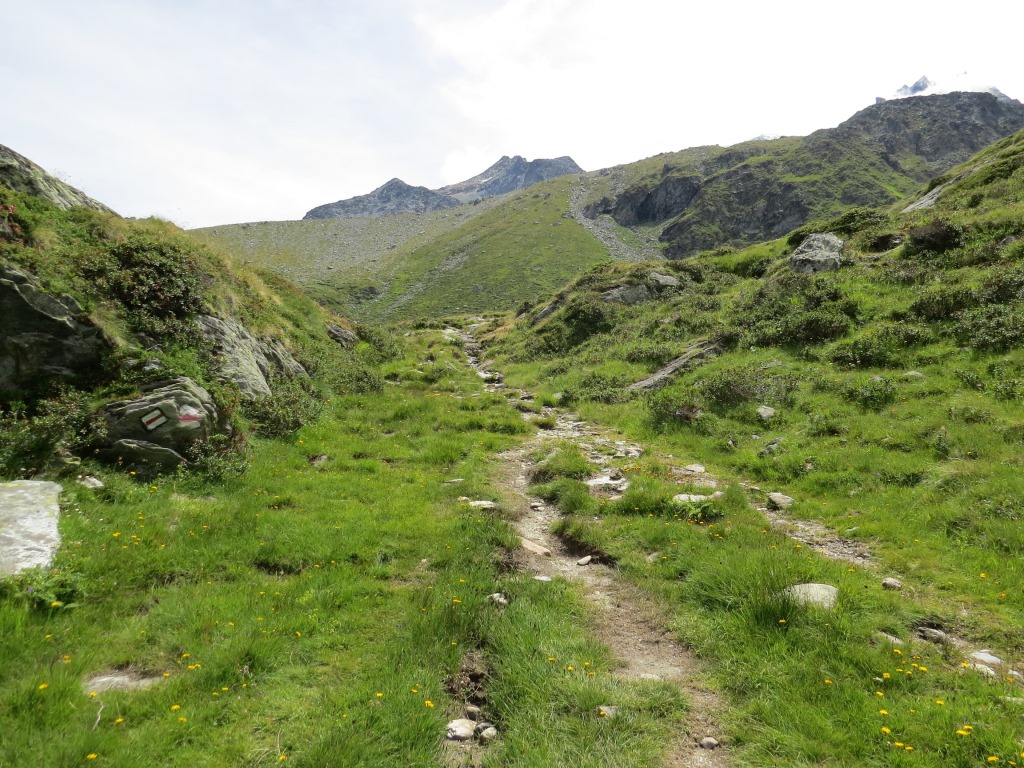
153	419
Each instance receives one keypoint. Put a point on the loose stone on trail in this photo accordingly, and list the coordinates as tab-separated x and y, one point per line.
537	549
460	730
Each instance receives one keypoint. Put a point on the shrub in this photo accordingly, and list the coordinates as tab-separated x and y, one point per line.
873	394
794	309
293	403
941	303
581	317
996	327
597	387
936	236
157	281
29	440
738	385
881	347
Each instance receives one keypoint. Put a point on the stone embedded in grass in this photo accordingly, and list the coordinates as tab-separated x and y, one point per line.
537	549
609	483
934	635
913	375
893	584
542	578
987	658
490	733
884	637
780	501
708	742
460	730
607	710
454	481
817	595
498	599
93	483
984	669
119	681
697	469
766	413
483	505
689	498
28	524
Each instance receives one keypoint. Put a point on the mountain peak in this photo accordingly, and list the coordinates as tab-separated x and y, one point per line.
960	82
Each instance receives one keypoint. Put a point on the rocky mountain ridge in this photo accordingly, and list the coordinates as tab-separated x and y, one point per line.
396	196
732	196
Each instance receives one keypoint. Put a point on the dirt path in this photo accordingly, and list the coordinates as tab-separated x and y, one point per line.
626	620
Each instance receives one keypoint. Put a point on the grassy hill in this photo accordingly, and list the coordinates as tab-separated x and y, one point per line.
896	386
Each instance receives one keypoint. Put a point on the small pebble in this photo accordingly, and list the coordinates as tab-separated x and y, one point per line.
584	560
473	712
709	743
891	583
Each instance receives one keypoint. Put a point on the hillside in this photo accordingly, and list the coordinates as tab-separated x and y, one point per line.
871	411
102	319
675	204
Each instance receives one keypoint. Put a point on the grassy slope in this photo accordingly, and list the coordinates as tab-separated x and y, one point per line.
499	253
313	612
925	472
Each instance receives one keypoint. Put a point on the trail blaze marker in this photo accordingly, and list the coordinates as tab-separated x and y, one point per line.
153	419
189	415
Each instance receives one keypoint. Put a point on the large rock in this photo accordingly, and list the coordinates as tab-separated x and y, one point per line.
42	337
249	362
22	175
343	336
28	524
820	252
628	294
156	430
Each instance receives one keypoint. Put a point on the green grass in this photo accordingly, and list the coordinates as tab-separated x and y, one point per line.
312	610
922	470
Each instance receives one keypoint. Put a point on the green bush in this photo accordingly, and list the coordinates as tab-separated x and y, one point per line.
885	346
159	282
293	403
597	387
30	439
942	302
995	327
873	394
731	387
794	309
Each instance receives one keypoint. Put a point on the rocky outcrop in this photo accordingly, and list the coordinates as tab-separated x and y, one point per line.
28	525
628	294
42	337
694	355
343	336
249	362
22	175
155	431
820	252
393	197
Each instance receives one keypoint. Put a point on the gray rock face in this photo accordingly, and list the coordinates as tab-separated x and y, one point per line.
817	595
628	294
42	337
249	362
22	175
343	336
820	252
155	431
28	524
663	281
779	501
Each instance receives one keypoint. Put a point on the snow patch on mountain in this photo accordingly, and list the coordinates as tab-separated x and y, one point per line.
961	81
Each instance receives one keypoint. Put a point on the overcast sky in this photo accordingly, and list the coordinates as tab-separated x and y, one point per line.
246	110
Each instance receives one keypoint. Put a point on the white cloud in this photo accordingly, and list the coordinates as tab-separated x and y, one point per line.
233	111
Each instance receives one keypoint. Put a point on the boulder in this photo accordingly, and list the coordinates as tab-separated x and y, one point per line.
816	595
343	336
156	429
628	294
42	337
779	501
820	252
28	524
460	730
766	412
663	281
249	362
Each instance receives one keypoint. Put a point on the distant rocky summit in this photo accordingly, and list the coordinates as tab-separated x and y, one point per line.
22	175
394	197
506	175
510	174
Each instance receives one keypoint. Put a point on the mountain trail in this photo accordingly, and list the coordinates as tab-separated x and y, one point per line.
627	621
608	231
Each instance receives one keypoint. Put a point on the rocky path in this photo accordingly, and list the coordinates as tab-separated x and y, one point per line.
627	621
635	248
